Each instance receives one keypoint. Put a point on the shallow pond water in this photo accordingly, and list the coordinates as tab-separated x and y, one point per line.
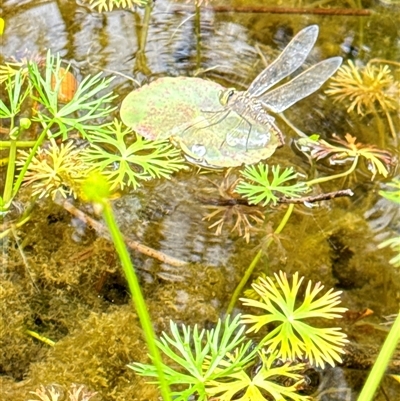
62	280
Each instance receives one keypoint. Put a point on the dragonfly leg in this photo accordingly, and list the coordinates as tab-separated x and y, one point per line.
224	112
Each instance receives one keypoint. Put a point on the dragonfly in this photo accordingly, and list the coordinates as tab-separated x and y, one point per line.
243	129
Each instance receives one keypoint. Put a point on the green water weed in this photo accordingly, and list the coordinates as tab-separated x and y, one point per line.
36	85
203	356
379	160
293	338
222	362
257	187
366	87
394	243
55	169
127	161
81	112
262	384
97	190
108	5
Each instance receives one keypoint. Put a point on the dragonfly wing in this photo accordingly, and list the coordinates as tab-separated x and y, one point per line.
300	87
290	60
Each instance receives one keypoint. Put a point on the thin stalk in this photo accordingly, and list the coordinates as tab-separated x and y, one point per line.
24	169
292	10
197	26
141	61
253	264
7	194
41	338
136	295
380	365
391	125
380	127
145	26
333	177
19	144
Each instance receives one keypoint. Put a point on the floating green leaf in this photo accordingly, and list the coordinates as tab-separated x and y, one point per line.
157	110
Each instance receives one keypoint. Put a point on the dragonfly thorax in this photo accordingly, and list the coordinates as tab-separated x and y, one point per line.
251	107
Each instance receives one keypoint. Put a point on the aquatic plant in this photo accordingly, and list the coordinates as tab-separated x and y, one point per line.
203	356
17	92
28	87
108	5
19	65
392	195
53	393
50	393
55	169
394	242
262	384
219	362
81	111
365	88
243	217
96	189
379	160
230	209
293	338
125	158
378	370
258	188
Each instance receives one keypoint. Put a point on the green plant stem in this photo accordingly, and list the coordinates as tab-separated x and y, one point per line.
380	365
7	194
136	295
41	338
249	270
141	61
24	169
333	177
145	28
19	144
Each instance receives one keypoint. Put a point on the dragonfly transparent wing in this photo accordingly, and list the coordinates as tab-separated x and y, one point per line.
300	87
292	57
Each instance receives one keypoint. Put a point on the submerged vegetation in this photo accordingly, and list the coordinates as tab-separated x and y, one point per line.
61	140
55	169
49	167
219	362
125	158
367	89
392	194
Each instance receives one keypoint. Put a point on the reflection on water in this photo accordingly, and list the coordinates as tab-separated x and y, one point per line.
336	243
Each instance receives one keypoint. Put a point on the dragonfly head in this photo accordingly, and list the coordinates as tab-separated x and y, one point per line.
225	96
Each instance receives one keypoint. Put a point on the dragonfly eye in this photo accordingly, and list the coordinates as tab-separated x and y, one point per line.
225	95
